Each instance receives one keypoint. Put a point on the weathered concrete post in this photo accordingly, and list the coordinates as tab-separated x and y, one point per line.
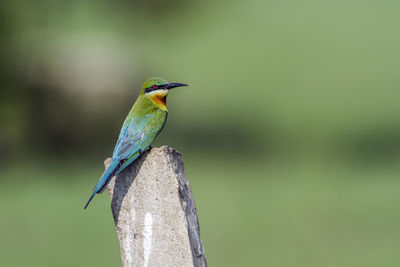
154	212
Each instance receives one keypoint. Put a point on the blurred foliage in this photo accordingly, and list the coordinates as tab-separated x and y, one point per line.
289	76
289	130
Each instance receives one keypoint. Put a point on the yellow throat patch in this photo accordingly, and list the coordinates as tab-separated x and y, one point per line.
160	98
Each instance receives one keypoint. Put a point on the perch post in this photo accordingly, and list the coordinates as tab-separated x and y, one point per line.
154	212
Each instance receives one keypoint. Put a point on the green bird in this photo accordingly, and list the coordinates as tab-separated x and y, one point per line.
143	123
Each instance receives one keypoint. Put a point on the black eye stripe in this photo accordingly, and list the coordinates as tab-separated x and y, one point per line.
154	87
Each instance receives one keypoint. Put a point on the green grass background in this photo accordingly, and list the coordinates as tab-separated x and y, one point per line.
275	216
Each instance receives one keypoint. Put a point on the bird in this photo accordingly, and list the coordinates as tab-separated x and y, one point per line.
143	123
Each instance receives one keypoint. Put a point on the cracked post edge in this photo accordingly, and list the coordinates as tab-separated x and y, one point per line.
187	201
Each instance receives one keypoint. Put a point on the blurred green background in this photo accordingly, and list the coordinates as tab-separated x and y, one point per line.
289	130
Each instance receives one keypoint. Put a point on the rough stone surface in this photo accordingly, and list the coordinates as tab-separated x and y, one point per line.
154	212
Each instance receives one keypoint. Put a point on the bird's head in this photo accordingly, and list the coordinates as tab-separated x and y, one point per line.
157	89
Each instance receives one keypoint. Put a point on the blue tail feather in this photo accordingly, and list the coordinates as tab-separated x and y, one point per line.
104	180
126	163
90	199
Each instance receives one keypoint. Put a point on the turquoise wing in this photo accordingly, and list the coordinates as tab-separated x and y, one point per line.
135	137
130	136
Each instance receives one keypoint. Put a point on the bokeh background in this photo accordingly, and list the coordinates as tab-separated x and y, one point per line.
289	130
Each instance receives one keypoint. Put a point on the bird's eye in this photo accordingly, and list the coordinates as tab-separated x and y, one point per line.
155	86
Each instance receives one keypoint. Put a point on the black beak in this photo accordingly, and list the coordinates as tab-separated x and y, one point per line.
173	85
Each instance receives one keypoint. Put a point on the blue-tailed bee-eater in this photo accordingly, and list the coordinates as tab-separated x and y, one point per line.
143	123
